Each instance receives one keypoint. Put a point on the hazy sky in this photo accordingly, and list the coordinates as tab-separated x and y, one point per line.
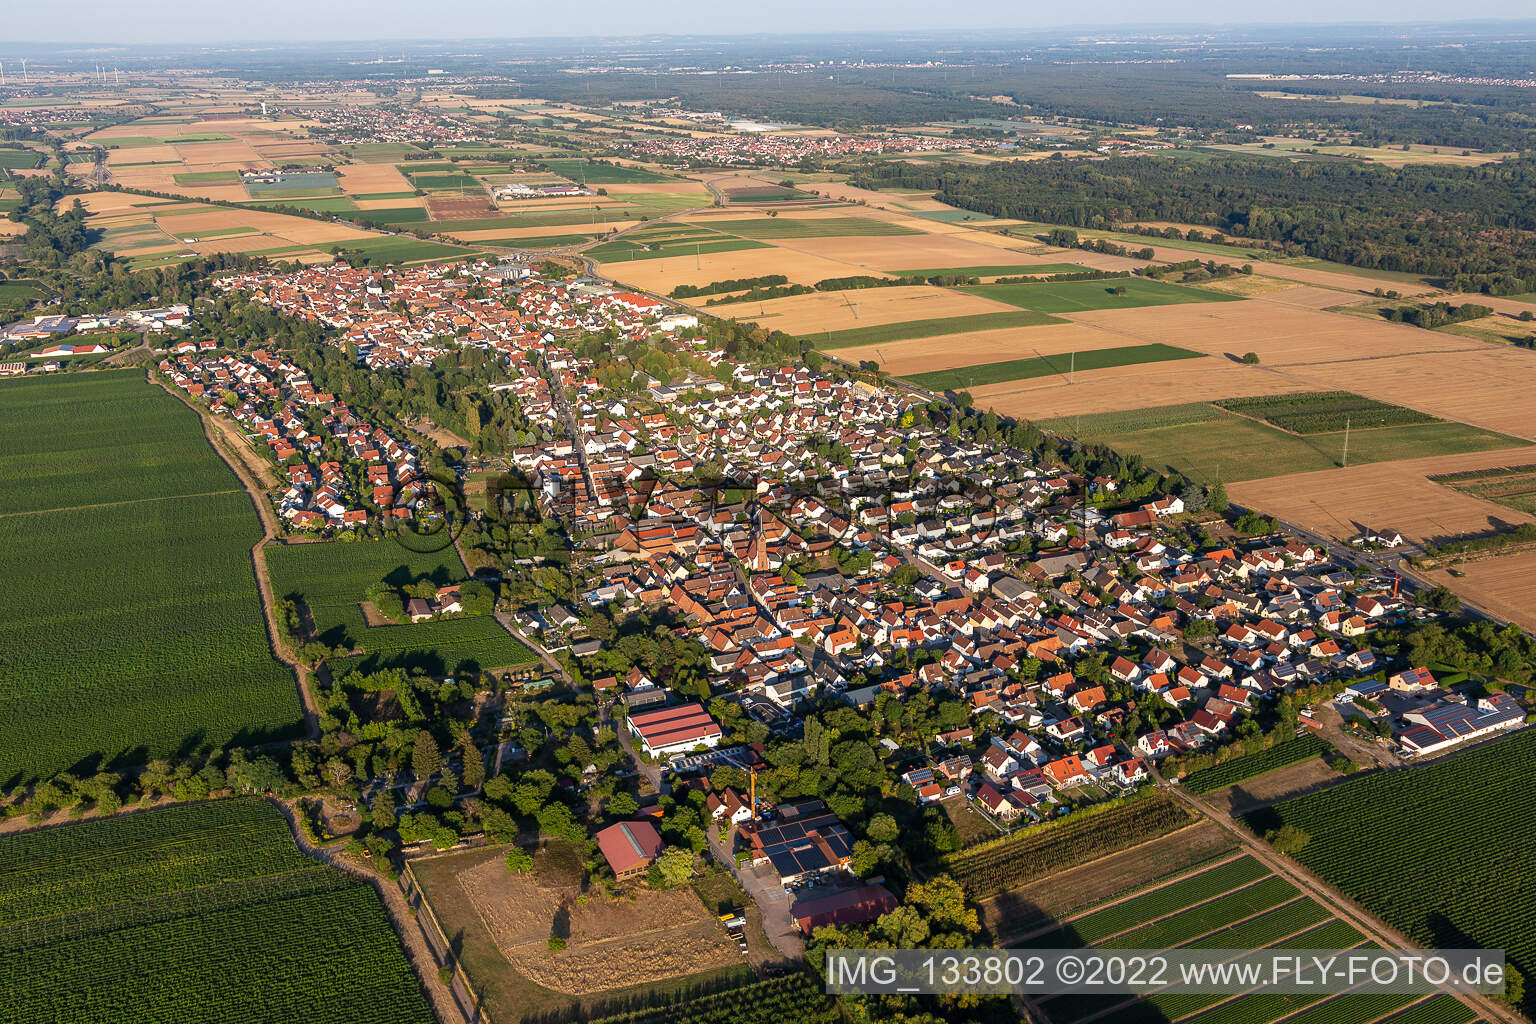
201	21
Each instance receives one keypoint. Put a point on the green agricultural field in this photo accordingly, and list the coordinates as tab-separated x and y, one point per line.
398	249
828	227
1510	486
380	152
443	182
858	336
1042	850
1237	904
394	215
1003	270
604	174
1366	837
1155	903
451	226
307	183
1078	296
331	581
765	194
206	177
1134	241
386	195
198	913
16	294
18	159
427	167
536	241
127	142
1209	443
125	541
1324	412
961	377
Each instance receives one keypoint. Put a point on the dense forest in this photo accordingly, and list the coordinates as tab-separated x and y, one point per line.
1474	227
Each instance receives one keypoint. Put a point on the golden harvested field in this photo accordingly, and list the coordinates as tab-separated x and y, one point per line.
1302	349
237	151
873	254
1502	584
835	311
847	193
1251	285
296	151
651	187
1283	334
387	204
610	943
662	275
142	155
1386	495
1132	387
297	229
1489	386
533	232
920	355
1509	307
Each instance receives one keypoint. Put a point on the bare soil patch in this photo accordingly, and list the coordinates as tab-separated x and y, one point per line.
1504	585
460	208
1033	906
1398	495
1273	786
611	943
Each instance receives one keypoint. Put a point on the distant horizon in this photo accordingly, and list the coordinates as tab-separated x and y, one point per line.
180	23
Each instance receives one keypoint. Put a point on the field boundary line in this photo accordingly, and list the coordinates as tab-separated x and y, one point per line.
115	504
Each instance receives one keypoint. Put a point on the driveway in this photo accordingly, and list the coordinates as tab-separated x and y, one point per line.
762	884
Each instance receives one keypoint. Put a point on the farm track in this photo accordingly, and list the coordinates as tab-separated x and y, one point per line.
1331	899
228	449
412	940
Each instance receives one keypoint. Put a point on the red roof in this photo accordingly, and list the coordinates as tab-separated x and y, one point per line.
667	727
629	845
846	906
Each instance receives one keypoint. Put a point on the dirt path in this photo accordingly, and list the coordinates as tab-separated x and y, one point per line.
231	447
414	943
1334	901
